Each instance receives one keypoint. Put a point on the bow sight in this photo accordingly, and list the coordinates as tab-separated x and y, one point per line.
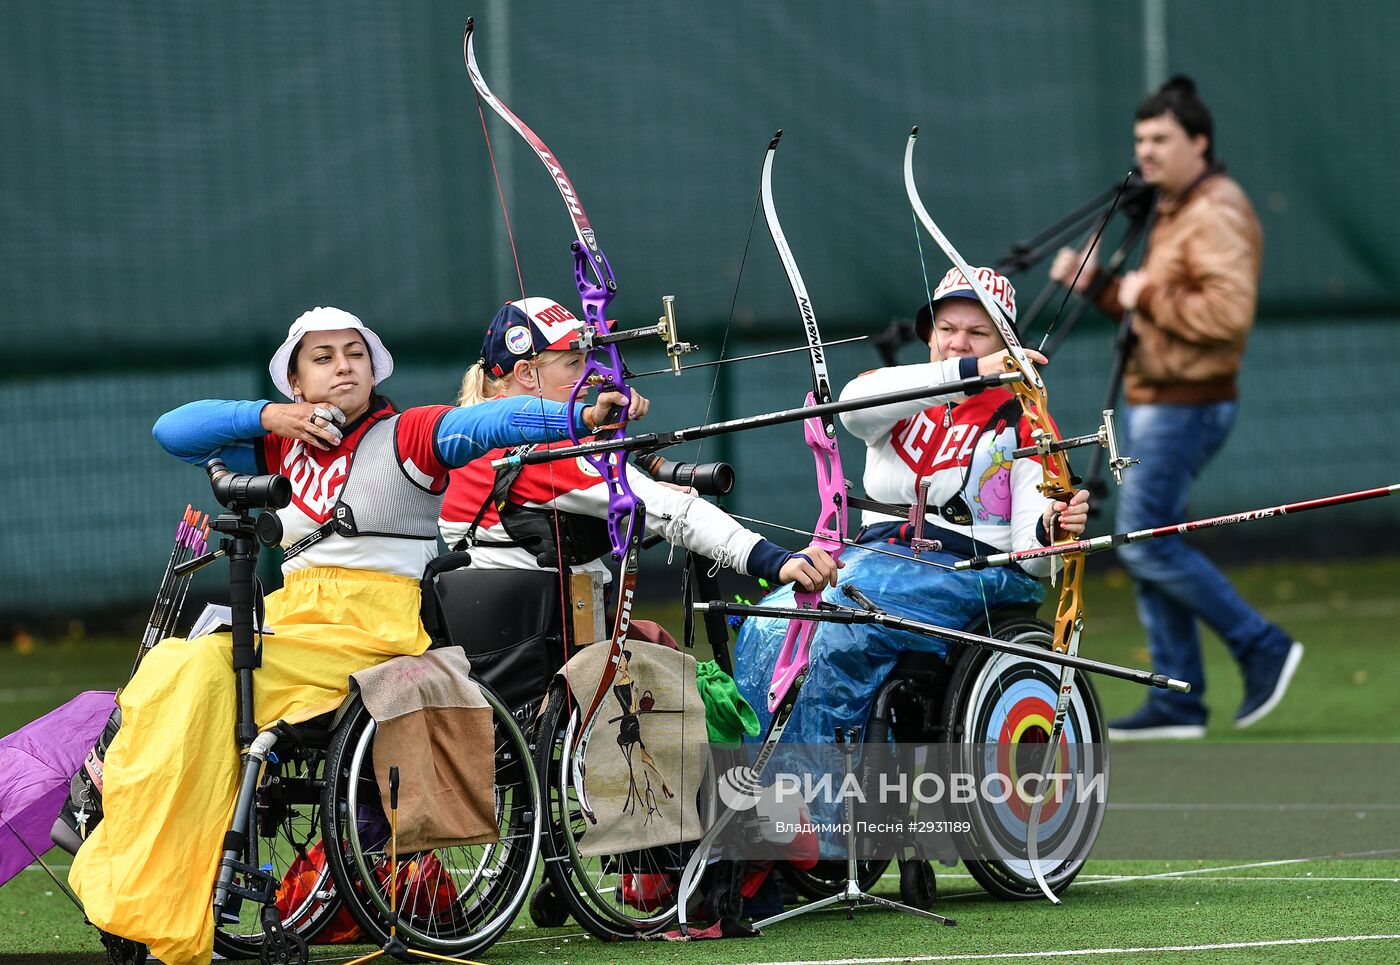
665	329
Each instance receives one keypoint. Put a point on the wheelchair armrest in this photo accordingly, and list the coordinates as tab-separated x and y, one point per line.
429	609
445	563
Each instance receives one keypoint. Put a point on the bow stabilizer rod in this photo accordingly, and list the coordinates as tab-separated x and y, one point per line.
649	441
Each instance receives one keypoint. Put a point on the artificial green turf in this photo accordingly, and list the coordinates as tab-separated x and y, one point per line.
1346	613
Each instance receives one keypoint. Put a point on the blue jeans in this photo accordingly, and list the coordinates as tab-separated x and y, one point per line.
1176	585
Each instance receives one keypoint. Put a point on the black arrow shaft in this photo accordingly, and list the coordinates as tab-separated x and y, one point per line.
845	615
1096	543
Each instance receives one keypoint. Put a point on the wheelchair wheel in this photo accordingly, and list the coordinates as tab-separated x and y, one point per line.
288	825
994	700
451	901
611	896
918	887
122	951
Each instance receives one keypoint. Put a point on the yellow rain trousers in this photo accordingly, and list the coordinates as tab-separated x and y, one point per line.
147	871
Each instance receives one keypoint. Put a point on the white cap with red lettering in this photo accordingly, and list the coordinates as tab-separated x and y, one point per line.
955	285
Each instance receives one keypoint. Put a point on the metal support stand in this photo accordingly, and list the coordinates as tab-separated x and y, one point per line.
852	897
395	945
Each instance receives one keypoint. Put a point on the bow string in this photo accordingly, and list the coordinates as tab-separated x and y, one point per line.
604	370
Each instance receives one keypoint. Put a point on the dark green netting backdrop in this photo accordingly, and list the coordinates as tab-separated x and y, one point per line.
180	181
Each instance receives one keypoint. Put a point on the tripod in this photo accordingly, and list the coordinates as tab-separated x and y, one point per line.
395	945
852	896
240	874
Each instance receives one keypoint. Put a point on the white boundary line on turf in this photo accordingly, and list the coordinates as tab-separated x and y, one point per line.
541	938
1311	880
988	956
1238	867
1170	875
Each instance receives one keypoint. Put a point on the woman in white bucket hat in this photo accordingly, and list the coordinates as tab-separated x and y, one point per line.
350	601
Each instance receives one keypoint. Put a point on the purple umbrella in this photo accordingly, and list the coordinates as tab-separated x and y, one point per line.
37	762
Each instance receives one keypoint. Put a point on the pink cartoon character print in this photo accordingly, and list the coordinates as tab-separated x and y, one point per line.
993	496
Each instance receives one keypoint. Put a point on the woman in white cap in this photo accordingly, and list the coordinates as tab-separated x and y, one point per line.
527	354
980	500
367	482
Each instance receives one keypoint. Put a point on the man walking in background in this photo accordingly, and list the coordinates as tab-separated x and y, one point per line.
1193	303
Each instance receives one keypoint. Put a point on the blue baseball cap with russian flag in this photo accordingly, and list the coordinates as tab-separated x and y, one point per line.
525	328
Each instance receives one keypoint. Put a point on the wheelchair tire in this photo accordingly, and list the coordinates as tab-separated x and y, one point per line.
453	901
288	819
987	689
122	951
597	889
547	909
918	887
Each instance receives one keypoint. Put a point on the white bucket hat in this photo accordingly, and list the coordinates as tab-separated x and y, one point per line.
327	320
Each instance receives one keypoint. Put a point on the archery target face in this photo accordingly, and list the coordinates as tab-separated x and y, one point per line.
1008	712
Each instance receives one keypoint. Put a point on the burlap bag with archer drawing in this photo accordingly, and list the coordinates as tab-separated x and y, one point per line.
648	750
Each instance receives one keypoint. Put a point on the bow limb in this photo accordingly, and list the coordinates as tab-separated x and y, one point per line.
993	310
829	534
820	432
604	369
1057	485
583	229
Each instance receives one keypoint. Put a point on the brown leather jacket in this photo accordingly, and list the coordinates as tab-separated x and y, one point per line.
1195	312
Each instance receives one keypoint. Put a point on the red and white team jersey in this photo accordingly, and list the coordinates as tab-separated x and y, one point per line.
908	441
318	476
574	486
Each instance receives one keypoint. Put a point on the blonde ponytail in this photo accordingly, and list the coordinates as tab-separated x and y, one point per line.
478	385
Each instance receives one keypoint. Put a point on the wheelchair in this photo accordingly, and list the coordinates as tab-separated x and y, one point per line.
961	702
311	832
449	901
304	846
452	900
509	622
